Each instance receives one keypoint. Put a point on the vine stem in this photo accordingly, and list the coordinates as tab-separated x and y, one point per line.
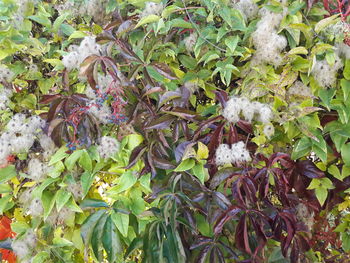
197	30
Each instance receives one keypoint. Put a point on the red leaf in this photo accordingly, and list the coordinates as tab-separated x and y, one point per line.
164	70
241	235
226	216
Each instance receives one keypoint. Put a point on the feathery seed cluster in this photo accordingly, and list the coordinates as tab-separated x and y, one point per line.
248	8
342	50
152	8
23	247
191	41
21	134
37	170
267	42
5	74
77	54
299	89
94	8
236	153
76	190
59	218
5	96
108	147
237	106
269	130
326	74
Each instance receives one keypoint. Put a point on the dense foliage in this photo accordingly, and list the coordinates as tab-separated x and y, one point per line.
174	131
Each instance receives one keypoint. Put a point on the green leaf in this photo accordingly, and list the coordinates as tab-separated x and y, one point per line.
85	161
325	22
147	19
41	19
7	173
127	180
345	85
4	202
62	198
58	22
198	171
345	238
302	147
59	155
48	201
185	165
5	188
346	71
321	194
345	153
93	203
111	241
77	34
97	234
88	226
41	257
86	181
334	170
231	42
345	171
72	159
121	221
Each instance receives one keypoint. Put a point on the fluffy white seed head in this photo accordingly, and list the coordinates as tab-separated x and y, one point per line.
108	147
299	89
5	73
37	170
236	153
152	8
269	130
190	41
23	246
248	8
35	208
223	155
324	73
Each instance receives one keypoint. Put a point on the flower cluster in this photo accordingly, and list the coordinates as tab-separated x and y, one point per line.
236	153
23	246
267	42
152	8
108	147
299	89
94	8
248	8
190	41
237	106
326	74
77	54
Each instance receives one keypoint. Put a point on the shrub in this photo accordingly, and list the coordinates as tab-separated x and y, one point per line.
174	131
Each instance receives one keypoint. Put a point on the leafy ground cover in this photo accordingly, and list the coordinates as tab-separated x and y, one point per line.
174	131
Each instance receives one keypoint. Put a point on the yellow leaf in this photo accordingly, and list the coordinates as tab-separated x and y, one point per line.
202	152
